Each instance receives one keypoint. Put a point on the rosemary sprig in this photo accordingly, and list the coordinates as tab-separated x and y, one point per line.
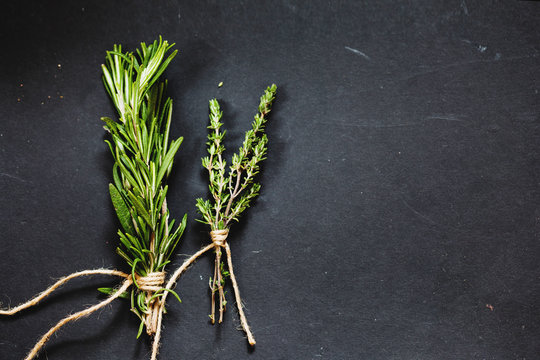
143	157
232	192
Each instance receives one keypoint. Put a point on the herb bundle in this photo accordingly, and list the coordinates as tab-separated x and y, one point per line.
231	194
142	162
143	157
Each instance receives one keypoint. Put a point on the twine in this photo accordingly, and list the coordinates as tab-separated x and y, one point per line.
243	319
219	240
127	283
77	316
62	281
219	237
151	283
170	284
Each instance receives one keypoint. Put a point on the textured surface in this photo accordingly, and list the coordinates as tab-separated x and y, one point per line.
399	214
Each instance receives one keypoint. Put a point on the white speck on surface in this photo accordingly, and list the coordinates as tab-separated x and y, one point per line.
200	277
59	66
497	56
256	251
358	52
482	48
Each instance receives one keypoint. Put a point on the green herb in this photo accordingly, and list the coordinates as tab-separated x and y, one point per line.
143	158
231	191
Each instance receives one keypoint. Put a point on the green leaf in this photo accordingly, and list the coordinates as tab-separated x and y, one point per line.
141	327
122	211
111	125
139	207
110	291
167	161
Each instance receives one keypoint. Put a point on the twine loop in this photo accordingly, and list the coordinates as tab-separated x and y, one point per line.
219	237
151	282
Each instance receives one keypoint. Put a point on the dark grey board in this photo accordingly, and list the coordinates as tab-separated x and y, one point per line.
399	213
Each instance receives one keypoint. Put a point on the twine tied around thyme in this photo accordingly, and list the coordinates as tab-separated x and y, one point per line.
219	237
219	240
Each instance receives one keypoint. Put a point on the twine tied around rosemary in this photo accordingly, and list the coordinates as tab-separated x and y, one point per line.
151	283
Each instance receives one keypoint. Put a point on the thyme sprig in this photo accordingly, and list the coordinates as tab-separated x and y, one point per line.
231	192
143	157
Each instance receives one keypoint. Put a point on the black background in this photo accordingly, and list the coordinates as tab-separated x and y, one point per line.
399	213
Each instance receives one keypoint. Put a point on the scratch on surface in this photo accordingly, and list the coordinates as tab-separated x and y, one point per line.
465	63
358	52
374	126
449	117
464	7
12	177
419	213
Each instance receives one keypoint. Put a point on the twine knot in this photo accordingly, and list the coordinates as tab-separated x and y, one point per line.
219	237
151	282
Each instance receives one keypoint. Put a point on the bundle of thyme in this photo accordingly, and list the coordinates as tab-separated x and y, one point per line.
232	194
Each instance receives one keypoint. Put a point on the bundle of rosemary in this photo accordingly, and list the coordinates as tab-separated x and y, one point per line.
142	161
143	157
